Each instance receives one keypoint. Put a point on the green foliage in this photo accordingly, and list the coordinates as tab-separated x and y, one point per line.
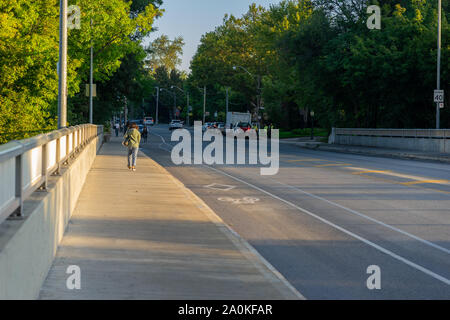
302	133
165	53
319	55
29	37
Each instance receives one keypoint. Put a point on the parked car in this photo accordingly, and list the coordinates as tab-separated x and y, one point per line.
148	121
244	126
221	127
207	125
175	124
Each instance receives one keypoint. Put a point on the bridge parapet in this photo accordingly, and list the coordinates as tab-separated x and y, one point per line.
26	165
427	140
57	163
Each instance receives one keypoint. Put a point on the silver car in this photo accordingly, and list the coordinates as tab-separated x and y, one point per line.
175	124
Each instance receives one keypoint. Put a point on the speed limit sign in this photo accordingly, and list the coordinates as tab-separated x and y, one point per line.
439	96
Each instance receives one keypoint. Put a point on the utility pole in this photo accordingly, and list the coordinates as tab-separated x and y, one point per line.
204	104
157	104
226	104
126	111
258	98
188	109
91	84
62	86
438	108
175	110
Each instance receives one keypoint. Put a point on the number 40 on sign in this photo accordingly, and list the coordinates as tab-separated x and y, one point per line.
439	96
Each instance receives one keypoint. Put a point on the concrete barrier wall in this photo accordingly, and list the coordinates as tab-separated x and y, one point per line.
437	144
28	246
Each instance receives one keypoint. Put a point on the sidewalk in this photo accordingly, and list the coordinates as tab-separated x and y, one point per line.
370	151
143	235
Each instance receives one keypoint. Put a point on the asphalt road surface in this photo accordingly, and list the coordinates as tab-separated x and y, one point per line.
326	217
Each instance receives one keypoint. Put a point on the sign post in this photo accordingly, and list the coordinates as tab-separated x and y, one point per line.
438	109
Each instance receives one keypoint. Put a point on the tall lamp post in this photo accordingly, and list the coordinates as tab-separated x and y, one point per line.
91	84
258	88
204	103
187	102
62	72
157	106
312	124
438	107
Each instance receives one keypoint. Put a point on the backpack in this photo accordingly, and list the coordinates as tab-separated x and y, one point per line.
126	142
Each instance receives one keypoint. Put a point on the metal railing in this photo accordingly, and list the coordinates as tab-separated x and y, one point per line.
397	133
25	165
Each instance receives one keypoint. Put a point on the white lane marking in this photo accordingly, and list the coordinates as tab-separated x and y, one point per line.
368	242
245	200
220	187
431	244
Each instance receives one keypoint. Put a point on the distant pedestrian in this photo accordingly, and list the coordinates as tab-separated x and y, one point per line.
145	134
132	140
117	128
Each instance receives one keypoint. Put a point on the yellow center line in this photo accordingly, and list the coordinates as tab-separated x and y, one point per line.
307	160
333	165
372	171
411	183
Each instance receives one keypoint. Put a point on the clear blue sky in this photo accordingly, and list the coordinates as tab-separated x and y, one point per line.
193	18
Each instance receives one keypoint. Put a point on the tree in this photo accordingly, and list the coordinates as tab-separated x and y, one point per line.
29	54
165	53
319	55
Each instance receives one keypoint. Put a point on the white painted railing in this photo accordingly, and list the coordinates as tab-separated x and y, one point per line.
25	165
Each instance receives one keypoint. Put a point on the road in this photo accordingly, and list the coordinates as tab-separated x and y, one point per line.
326	217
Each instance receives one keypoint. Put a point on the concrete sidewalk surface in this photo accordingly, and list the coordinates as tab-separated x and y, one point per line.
144	236
370	151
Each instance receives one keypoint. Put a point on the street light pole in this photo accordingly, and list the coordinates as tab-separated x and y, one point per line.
91	82
157	104
62	86
227	102
175	103
188	110
258	102
126	111
438	108
204	104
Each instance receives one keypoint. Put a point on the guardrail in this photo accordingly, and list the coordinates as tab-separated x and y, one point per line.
26	165
397	133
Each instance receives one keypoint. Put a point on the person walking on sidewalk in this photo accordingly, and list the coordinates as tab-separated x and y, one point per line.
145	134
133	139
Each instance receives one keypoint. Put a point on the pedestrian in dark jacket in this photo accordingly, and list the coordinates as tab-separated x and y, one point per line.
145	134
